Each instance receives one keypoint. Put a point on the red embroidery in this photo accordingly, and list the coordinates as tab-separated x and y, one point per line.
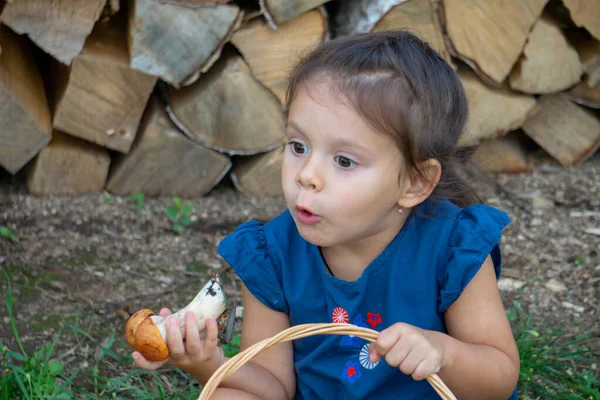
373	319
351	371
340	316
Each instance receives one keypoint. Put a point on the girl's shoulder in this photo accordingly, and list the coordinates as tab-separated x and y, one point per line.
465	237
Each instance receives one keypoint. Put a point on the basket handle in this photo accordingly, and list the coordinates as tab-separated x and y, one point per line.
298	332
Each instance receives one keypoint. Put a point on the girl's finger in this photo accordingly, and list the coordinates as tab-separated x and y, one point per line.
174	339
141	362
164	312
397	353
374	356
192	335
424	369
411	361
211	339
388	338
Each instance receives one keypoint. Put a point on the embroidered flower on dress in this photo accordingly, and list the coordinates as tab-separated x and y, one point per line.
340	316
364	359
373	319
352	371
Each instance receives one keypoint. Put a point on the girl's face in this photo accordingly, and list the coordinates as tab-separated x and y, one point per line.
340	178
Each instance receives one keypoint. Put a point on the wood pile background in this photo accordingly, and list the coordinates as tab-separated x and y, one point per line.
170	97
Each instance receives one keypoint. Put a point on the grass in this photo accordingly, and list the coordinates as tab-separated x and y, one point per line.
554	366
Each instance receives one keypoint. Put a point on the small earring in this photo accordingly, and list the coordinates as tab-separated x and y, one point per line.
401	210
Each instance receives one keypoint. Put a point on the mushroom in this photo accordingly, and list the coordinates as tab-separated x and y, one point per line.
147	332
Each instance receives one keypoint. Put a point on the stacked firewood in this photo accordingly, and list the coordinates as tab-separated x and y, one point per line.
170	97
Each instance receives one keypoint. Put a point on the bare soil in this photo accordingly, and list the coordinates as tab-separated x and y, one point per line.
94	259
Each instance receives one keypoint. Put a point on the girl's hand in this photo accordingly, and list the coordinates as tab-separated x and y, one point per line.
188	354
409	348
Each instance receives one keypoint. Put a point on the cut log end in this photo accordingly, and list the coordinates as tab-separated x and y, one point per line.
506	154
260	175
502	32
492	111
276	12
565	130
271	54
163	162
549	63
195	38
68	166
24	110
99	73
58	27
228	110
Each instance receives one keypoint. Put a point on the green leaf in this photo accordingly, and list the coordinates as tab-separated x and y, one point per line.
185	220
188	208
177	228
177	202
55	368
171	212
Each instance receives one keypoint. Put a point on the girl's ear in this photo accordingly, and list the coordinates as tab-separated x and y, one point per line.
422	183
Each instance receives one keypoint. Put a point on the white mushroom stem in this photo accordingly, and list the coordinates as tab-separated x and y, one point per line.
209	302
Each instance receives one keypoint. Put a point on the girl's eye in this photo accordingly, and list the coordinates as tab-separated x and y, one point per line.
345	162
298	148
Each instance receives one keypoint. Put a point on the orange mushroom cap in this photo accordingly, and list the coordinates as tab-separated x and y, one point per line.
149	342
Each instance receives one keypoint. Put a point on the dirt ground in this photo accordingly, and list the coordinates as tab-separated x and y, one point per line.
99	258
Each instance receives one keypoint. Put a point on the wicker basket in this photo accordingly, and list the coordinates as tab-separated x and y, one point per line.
298	332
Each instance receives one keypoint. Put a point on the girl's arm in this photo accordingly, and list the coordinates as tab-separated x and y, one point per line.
270	374
481	360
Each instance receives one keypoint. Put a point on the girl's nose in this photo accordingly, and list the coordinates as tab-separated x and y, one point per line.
309	178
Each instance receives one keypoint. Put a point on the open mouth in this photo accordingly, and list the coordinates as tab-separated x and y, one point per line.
305	216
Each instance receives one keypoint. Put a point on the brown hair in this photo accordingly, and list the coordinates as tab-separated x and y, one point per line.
402	88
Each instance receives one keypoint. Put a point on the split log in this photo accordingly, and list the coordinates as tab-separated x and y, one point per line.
276	12
505	154
589	55
585	95
195	3
177	43
228	110
417	16
565	130
271	54
259	175
163	162
59	27
492	111
585	13
24	111
101	98
68	166
548	64
488	35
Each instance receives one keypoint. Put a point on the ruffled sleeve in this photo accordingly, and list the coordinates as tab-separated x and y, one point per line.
475	234
247	251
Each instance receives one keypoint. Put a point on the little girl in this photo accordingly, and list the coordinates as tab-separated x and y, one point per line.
379	232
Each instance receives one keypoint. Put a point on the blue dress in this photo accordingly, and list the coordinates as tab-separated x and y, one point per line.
414	280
